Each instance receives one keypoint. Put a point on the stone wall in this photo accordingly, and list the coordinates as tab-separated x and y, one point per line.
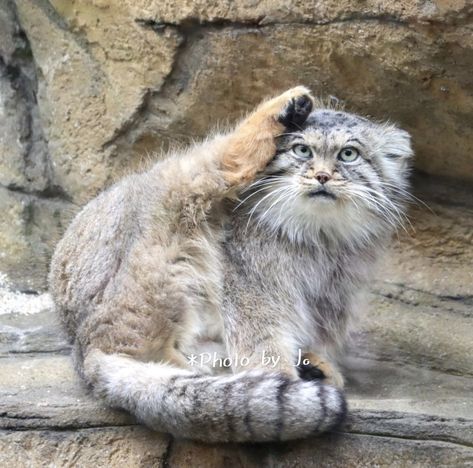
89	89
92	89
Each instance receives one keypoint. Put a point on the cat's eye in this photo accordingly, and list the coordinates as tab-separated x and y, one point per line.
302	151
348	154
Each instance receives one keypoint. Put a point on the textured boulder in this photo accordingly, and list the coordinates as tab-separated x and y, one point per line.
30	226
91	89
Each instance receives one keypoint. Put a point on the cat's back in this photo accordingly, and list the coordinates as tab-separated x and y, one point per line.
93	247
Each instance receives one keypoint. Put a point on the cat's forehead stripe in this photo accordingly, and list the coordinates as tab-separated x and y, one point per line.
318	136
327	119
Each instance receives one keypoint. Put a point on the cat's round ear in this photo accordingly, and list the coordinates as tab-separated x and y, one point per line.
397	143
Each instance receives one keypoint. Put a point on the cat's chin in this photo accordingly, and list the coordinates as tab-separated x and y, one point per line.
322	195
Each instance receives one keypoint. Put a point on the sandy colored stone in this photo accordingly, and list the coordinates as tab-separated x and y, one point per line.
97	67
431	336
36	331
136	447
436	255
29	228
347	450
23	153
45	392
104	447
284	11
8	29
12	123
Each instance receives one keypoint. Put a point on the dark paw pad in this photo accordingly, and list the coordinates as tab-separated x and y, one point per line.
310	372
296	112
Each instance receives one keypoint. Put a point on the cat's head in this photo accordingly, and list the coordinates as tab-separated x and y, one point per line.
340	174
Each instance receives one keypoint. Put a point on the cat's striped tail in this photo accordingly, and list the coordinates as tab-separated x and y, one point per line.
252	406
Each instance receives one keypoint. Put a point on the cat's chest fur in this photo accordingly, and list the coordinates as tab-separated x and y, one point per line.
310	285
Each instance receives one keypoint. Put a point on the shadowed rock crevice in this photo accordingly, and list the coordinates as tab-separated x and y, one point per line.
21	119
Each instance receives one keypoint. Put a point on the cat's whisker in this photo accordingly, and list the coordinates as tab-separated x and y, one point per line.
401	217
259	182
289	191
407	195
258	203
291	198
263	188
379	197
371	201
388	214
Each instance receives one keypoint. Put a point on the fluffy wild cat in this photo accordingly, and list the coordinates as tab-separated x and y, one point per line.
253	243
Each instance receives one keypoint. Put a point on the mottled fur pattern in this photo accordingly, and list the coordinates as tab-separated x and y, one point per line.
255	242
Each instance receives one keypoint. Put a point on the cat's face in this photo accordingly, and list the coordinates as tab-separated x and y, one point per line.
340	174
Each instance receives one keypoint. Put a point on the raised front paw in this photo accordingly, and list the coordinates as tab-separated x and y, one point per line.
296	111
290	108
252	145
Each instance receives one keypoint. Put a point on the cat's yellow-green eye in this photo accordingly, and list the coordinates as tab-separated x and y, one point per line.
348	154
302	151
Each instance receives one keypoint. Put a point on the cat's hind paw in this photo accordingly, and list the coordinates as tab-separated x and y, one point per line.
310	372
319	369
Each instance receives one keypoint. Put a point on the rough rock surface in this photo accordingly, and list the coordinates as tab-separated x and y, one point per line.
409	372
89	87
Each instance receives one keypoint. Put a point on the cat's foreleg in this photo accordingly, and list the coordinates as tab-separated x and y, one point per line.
252	144
220	167
253	336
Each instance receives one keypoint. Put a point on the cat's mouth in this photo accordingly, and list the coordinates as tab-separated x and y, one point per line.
321	193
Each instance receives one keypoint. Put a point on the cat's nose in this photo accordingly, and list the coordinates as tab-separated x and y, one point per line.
323	177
